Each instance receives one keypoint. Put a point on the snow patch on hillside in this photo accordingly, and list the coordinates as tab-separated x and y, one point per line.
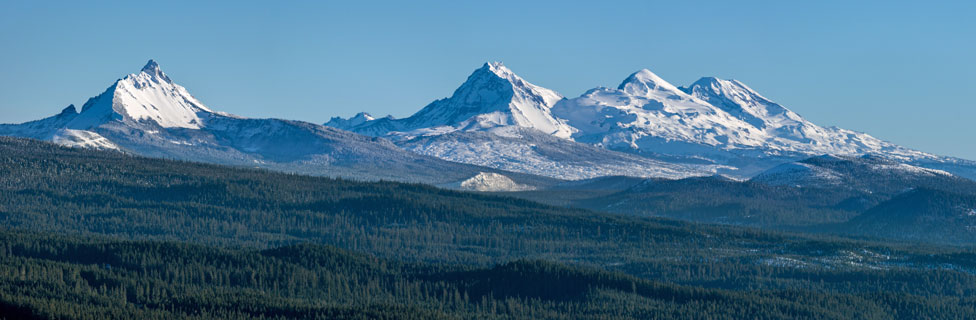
82	138
533	152
907	168
490	182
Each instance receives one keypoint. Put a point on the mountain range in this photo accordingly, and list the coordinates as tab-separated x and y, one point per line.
713	126
496	132
147	114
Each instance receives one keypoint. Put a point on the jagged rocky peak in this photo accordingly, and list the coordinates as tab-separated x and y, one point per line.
342	123
363	116
69	110
151	66
152	69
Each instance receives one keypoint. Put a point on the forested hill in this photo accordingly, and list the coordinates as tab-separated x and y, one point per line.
194	225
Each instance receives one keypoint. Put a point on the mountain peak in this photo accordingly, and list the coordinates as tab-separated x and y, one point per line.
492	96
732	95
145	96
494	65
346	124
644	81
364	115
706	82
70	110
494	75
152	69
151	66
719	86
498	69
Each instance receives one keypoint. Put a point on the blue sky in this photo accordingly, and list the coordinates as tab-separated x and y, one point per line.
902	71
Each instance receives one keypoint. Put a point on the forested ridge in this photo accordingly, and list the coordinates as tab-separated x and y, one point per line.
92	234
48	276
862	196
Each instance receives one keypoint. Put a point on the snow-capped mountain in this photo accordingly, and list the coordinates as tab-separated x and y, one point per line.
647	114
493	96
712	126
146	113
147	96
722	120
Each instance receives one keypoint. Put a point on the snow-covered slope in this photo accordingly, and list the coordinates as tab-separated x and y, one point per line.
147	114
82	139
41	129
746	104
787	130
534	152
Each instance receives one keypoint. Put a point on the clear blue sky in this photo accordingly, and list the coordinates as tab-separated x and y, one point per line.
902	71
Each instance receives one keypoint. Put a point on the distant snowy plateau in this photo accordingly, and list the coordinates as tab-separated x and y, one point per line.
496	132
